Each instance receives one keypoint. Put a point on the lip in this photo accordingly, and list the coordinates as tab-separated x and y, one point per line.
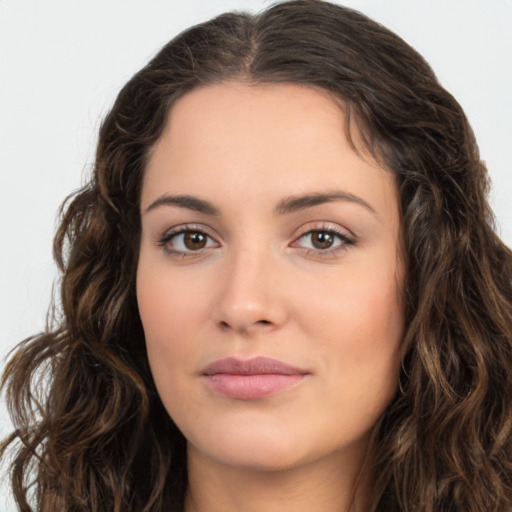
251	379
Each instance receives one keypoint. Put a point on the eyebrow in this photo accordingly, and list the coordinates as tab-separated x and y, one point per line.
284	207
296	203
188	202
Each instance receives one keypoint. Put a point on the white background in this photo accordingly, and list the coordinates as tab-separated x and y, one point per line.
63	61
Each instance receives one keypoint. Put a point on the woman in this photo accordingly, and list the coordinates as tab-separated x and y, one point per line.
281	289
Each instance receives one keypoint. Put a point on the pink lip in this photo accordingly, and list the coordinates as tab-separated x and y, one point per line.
251	379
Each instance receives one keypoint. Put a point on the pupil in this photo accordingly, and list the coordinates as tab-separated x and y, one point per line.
322	239
194	240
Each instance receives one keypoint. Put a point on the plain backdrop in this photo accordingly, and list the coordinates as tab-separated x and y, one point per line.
62	63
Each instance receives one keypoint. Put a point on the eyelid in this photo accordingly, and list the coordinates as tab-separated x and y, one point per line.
168	234
180	228
346	237
324	226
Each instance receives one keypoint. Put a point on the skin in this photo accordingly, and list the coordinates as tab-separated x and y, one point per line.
261	286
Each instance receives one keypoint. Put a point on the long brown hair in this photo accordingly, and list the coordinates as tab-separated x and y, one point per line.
90	430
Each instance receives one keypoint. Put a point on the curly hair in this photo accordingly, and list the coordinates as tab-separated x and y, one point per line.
90	430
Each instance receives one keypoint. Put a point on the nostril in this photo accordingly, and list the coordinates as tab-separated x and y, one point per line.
226	325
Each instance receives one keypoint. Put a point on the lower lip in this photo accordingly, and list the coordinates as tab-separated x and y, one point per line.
251	387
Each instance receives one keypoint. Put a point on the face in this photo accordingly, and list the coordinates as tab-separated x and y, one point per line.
269	280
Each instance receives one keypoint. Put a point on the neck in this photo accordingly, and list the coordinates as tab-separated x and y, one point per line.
325	485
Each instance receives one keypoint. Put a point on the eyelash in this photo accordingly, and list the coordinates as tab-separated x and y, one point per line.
345	241
164	240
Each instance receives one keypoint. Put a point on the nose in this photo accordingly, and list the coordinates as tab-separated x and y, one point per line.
251	298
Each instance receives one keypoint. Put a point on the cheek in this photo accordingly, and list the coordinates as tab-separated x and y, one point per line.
358	325
169	302
362	305
170	312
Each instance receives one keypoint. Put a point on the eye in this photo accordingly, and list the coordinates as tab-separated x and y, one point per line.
191	240
186	241
322	240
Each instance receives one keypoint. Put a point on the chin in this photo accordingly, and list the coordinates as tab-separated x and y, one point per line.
256	446
270	446
251	456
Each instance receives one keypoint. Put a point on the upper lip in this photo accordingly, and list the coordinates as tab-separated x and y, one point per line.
254	366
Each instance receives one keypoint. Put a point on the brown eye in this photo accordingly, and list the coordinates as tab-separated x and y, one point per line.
194	240
322	239
187	241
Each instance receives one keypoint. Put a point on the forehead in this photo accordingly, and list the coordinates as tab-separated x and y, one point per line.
246	112
259	139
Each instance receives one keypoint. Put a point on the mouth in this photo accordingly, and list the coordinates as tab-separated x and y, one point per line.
251	379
